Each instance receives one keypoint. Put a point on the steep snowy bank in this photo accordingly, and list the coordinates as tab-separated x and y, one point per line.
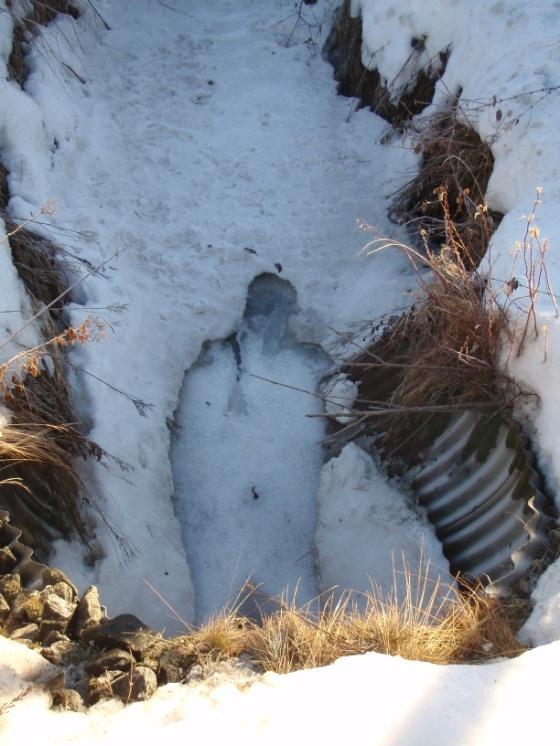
511	99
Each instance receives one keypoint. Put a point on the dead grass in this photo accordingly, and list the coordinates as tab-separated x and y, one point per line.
39	483
457	163
429	621
41	13
447	352
4	191
38	264
39	486
441	355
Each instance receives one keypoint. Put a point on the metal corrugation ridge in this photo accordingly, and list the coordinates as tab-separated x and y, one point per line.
471	481
30	571
485	499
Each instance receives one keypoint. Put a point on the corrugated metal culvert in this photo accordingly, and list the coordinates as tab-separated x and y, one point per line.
16	557
475	474
486	500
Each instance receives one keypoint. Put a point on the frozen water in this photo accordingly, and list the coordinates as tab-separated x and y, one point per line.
247	460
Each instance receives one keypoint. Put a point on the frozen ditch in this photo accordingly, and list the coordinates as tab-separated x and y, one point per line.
247	460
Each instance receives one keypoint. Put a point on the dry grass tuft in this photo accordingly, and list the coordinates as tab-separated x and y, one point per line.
446	353
429	621
441	355
458	164
39	484
36	259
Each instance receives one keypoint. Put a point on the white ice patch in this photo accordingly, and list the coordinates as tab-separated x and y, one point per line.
543	626
367	525
247	459
340	392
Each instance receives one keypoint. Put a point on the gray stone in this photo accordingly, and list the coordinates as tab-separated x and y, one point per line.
10	587
101	687
52	636
28	606
174	665
49	627
68	699
60	653
58	609
112	660
135	686
4	609
59	589
88	612
27	632
53	576
124	631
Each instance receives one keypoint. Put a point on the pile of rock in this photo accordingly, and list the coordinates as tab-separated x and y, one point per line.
97	657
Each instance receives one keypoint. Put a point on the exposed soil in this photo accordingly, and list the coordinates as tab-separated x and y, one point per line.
343	50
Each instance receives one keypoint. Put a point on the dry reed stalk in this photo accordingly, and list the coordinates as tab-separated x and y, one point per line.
457	162
429	621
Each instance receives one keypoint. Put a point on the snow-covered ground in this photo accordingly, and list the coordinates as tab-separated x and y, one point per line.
372	698
246	459
207	150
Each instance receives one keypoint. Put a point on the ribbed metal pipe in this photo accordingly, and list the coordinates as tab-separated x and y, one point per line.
485	499
30	571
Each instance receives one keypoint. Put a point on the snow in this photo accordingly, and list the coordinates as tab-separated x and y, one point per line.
247	459
363	520
205	150
340	393
382	699
203	170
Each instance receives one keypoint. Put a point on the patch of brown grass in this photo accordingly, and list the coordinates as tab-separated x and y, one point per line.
429	621
40	486
446	353
441	355
457	163
38	265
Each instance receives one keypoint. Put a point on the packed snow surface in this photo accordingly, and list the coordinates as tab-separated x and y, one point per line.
217	153
367	537
247	459
374	699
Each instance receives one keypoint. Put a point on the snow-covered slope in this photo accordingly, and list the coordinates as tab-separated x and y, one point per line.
505	67
207	146
371	699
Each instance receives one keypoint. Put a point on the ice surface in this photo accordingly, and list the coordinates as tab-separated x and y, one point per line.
247	460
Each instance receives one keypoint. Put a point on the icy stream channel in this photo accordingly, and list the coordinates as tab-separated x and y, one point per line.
246	458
